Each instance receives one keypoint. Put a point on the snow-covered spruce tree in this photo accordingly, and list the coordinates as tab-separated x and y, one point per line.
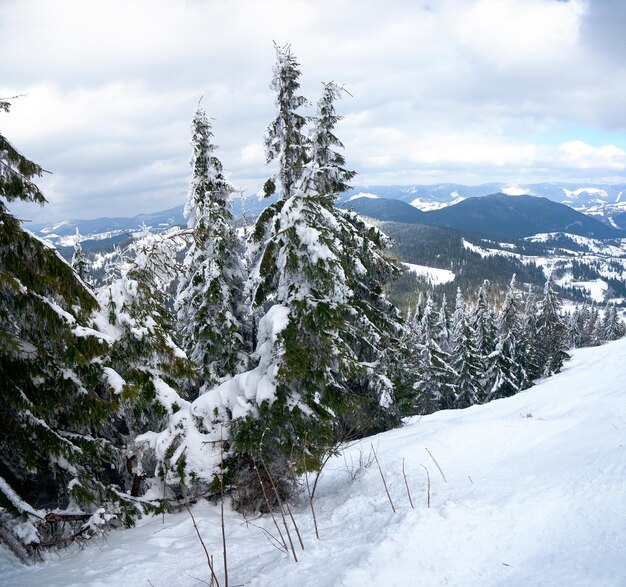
320	372
53	397
612	324
80	263
551	333
149	371
529	344
505	373
284	137
467	388
435	376
442	327
210	299
483	325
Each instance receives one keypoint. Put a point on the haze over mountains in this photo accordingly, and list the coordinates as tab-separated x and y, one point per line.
519	211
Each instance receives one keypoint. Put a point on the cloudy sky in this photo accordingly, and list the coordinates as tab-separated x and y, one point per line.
466	91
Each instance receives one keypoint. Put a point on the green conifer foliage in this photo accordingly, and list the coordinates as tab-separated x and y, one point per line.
212	313
54	398
284	139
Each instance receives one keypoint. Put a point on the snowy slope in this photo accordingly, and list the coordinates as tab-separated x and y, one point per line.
534	495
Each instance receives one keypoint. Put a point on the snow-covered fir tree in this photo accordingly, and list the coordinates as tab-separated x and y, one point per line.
285	140
320	369
55	395
483	326
467	388
210	301
550	337
505	373
435	376
146	367
612	324
79	262
529	341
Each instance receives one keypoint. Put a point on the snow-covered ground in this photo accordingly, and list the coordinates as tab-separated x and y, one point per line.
432	274
534	494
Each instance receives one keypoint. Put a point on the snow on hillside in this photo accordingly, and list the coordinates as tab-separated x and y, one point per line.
515	190
433	274
426	205
363	195
588	190
525	491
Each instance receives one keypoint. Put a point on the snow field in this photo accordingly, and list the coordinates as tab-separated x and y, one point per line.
535	495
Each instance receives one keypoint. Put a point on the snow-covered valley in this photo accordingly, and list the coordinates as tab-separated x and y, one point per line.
531	492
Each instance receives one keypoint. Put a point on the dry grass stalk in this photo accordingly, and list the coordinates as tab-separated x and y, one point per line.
406	482
269	509
209	558
383	478
438	467
428	477
225	557
308	490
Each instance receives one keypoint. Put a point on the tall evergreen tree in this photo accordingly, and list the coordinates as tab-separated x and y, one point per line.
505	374
317	277
613	325
483	326
332	177
529	341
210	304
80	263
284	138
435	376
466	360
55	395
551	333
151	371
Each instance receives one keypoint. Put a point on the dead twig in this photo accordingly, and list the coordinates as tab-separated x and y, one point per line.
206	552
437	464
406	482
308	490
428	491
383	478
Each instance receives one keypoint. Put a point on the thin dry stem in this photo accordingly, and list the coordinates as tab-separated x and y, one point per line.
269	509
438	467
406	482
308	490
224	553
428	493
281	510
383	478
206	552
293	521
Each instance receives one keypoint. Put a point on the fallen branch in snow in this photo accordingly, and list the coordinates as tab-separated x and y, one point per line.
428	476
406	482
438	467
383	478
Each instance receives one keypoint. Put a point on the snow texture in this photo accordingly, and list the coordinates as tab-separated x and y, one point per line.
434	275
533	495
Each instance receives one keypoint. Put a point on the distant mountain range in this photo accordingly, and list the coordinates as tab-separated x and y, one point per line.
498	216
513	214
605	202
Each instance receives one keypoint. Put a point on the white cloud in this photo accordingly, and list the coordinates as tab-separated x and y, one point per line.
448	91
580	155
